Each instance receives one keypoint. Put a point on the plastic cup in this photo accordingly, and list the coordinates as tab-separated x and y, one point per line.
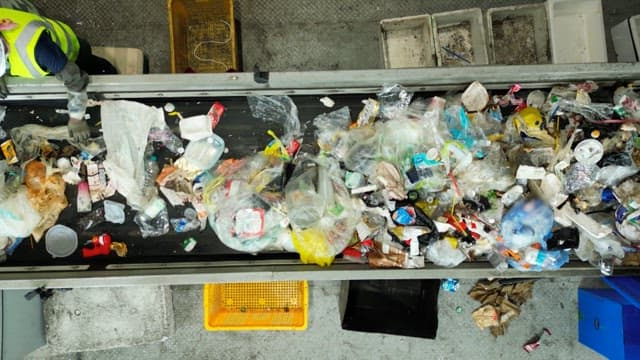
61	241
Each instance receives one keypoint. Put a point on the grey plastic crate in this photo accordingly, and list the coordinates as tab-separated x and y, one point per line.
518	35
407	42
459	36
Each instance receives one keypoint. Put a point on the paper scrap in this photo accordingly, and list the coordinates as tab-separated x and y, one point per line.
530	172
195	128
328	102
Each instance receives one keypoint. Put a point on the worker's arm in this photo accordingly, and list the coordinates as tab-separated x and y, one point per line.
51	58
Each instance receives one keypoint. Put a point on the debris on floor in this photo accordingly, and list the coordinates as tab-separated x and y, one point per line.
534	343
500	303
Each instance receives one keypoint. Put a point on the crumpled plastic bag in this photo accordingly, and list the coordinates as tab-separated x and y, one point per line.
430	114
325	226
278	109
126	126
580	176
591	112
333	130
491	173
442	253
394	100
526	223
245	204
244	222
363	153
18	218
399	139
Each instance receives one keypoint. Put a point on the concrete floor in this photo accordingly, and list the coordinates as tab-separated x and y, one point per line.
316	35
553	306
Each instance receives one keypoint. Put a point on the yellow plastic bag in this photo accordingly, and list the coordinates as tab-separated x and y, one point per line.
313	246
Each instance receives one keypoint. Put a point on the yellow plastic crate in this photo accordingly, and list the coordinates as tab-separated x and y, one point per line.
203	36
278	305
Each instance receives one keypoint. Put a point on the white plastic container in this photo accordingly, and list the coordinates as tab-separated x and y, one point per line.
407	42
518	35
626	39
204	153
459	36
576	29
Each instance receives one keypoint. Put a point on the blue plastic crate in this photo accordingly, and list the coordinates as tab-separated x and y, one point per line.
609	324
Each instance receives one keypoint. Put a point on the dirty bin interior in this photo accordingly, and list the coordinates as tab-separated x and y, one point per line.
203	36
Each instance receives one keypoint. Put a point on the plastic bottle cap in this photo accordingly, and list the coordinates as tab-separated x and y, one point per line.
589	151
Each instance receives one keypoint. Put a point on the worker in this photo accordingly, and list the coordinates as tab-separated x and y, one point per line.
34	47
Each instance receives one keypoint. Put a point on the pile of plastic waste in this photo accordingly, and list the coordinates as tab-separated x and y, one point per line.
521	178
522	181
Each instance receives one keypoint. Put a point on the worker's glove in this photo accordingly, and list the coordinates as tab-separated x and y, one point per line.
78	130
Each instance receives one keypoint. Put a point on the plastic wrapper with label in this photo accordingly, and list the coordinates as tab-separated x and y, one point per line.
245	206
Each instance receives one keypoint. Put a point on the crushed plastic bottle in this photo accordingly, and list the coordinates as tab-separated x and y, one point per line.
546	260
154	220
498	261
3	113
183	225
189	222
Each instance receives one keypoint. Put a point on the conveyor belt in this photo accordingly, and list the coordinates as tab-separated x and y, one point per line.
243	135
162	260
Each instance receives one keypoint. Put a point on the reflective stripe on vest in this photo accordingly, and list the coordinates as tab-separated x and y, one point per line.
22	45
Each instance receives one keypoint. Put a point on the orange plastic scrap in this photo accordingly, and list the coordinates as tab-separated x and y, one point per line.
512	254
230	166
35	176
166	171
119	248
46	195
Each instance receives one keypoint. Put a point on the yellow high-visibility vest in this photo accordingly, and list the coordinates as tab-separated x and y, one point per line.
23	38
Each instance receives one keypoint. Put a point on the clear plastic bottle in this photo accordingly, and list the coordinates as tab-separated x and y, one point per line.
10	185
498	261
77	104
167	138
151	171
204	153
